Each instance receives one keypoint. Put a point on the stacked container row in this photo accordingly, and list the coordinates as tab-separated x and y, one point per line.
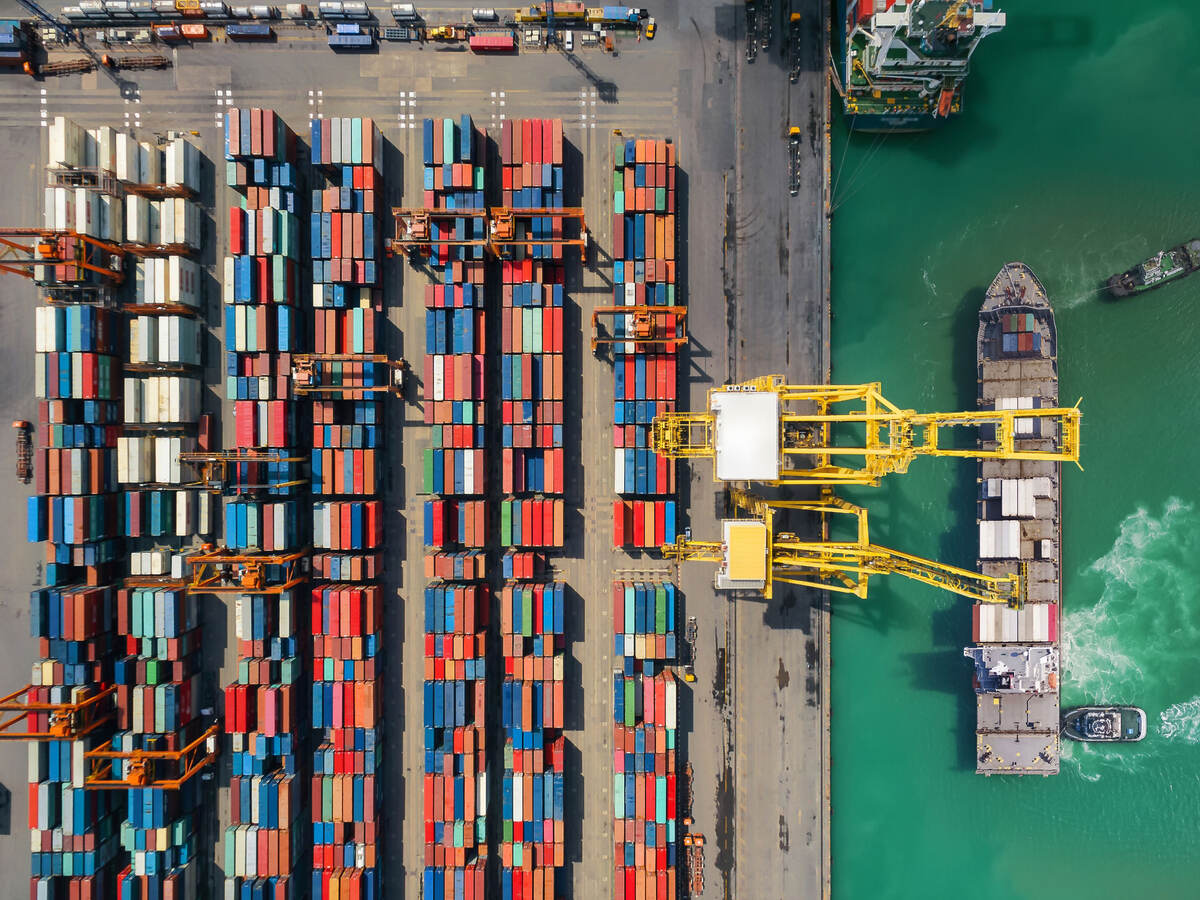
455	788
644	739
265	843
645	376
347	473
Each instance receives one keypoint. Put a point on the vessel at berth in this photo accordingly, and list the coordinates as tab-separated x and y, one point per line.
905	64
1019	516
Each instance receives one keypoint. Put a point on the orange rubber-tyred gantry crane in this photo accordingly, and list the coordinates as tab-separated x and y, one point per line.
221	570
663	326
413	228
60	248
44	721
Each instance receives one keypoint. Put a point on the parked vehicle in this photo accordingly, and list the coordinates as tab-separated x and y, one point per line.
405	12
569	40
24	450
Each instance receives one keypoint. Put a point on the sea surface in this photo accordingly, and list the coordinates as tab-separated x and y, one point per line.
1077	154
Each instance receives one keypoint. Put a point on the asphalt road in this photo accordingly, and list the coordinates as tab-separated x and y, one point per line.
754	268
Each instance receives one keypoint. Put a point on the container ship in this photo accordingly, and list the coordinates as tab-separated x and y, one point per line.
906	63
1019	515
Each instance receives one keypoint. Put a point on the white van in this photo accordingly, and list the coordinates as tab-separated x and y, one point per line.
569	40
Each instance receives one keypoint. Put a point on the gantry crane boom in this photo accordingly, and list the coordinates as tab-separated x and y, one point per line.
165	769
767	430
88	254
212	466
413	228
753	556
312	374
224	571
651	325
63	721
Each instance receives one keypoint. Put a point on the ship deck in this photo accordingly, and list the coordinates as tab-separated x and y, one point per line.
1017	733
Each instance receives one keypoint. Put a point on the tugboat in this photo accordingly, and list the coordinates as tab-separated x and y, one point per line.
1109	724
1162	268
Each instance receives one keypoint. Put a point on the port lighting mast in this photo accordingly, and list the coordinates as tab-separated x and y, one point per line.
768	431
753	556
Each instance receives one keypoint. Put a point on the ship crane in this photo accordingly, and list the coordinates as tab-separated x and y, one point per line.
768	431
753	556
501	226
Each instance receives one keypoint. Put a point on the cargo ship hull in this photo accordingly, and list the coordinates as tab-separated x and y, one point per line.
1019	520
904	66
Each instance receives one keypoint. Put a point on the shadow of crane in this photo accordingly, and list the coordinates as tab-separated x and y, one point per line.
606	91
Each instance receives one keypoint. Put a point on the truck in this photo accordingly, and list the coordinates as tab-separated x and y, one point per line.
136	61
445	33
794	138
794	47
24	450
66	67
14	43
351	36
249	31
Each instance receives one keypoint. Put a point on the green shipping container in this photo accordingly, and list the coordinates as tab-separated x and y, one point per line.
527	612
660	610
660	799
619	202
660	199
506	523
630	703
479	178
449	144
429	472
356	142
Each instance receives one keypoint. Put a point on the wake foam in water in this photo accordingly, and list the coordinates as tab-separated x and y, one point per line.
1181	721
1137	642
1144	625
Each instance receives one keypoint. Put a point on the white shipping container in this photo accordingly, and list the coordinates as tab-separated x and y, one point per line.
182	281
149	163
203	513
469	473
127	157
227	284
137	219
66	144
618	471
106	148
671	703
161	281
439	378
133	402
182	164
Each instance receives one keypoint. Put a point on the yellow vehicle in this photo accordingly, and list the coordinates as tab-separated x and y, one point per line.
651	29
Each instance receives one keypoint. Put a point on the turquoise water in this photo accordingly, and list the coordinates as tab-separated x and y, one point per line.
1077	153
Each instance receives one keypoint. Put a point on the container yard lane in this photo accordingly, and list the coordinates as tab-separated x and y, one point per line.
751	264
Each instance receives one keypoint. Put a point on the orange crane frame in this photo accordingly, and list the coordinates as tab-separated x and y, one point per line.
643	325
213	466
304	371
142	764
40	254
68	721
209	576
413	228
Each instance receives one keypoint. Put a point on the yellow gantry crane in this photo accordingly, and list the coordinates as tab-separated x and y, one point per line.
776	433
753	556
